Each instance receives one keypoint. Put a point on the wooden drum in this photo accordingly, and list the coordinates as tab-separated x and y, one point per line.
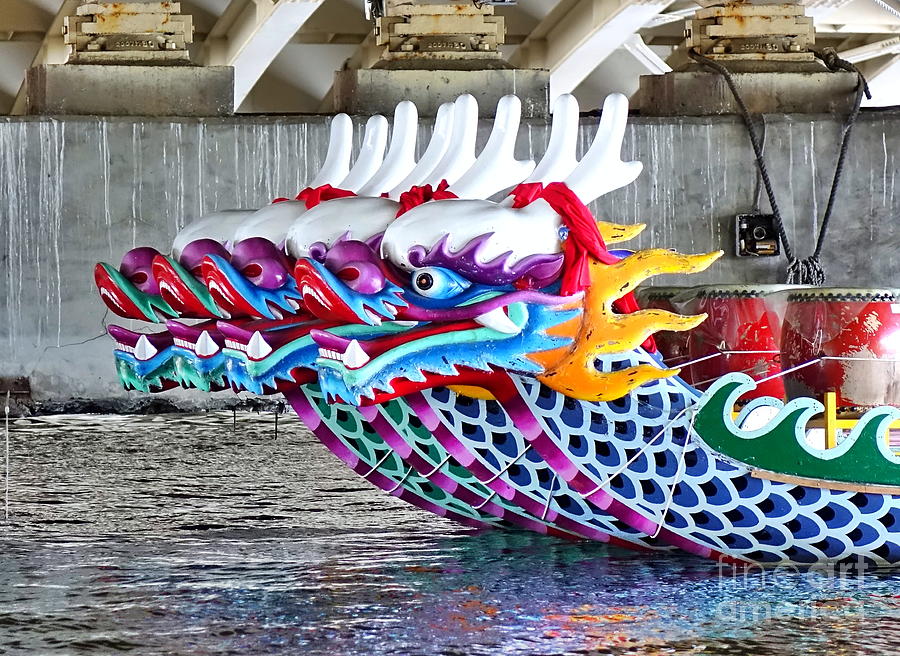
858	327
672	345
742	324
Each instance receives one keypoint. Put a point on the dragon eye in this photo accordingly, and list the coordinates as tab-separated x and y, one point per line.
436	282
424	282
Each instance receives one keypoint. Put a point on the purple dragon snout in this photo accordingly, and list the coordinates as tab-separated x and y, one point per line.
193	254
261	262
357	265
136	266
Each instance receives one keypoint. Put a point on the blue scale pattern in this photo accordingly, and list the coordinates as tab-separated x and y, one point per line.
496	443
714	502
403	419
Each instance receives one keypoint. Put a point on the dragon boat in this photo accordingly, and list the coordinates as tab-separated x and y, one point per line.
486	360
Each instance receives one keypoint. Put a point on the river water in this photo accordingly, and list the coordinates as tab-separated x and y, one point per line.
209	534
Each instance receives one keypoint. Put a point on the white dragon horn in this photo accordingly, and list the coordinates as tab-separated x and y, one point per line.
370	156
232	226
437	146
401	155
219	226
273	221
560	159
340	147
602	169
497	167
460	155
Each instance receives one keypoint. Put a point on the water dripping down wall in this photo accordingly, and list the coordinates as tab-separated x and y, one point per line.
77	191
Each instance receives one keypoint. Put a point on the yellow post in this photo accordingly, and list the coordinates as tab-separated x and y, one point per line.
830	420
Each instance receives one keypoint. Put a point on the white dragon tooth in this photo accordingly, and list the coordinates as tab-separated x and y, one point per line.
258	349
497	320
354	357
294	304
144	350
416	375
405	324
376	320
206	346
309	291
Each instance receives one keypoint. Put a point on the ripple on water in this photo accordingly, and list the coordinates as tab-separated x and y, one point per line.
175	534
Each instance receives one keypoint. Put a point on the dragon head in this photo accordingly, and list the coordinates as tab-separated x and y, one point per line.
482	299
478	288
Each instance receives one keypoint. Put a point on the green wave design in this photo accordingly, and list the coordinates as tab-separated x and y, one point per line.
863	457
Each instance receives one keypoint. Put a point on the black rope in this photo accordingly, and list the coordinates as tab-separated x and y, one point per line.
757	147
835	63
806	271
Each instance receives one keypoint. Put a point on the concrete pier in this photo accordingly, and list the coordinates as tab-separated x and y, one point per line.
375	91
109	90
77	191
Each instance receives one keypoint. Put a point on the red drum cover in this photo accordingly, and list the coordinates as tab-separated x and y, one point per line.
739	320
672	345
862	325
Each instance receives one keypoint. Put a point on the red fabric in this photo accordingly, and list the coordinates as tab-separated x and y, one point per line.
312	196
583	241
526	193
421	195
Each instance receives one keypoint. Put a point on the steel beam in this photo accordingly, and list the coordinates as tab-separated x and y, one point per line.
251	34
645	57
884	81
872	50
821	9
578	35
53	50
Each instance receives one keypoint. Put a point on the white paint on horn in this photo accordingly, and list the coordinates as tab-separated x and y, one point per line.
520	233
497	167
602	169
460	155
359	217
370	155
401	155
437	146
560	159
271	222
220	226
337	159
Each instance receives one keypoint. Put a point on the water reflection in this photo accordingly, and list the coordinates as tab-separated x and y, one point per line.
179	534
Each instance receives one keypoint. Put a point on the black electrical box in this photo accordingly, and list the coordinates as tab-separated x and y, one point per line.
756	236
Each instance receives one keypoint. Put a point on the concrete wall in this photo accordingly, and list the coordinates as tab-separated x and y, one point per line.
77	191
